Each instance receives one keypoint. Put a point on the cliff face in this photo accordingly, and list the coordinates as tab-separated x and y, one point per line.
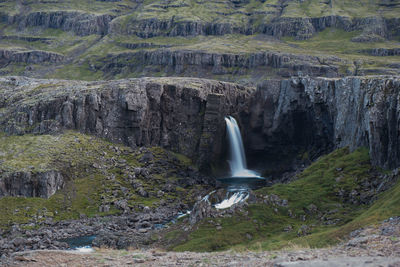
33	56
42	184
318	114
280	120
167	112
299	27
201	63
77	22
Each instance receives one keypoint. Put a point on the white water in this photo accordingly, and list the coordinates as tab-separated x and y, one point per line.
237	160
86	249
237	197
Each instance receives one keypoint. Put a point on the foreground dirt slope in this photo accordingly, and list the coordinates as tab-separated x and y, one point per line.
372	246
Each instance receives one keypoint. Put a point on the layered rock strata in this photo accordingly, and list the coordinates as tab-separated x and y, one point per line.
280	120
167	112
28	184
191	62
30	56
319	114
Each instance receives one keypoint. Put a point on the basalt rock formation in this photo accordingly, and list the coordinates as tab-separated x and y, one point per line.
33	56
317	115
299	27
28	184
383	52
236	41
204	64
77	22
280	120
167	112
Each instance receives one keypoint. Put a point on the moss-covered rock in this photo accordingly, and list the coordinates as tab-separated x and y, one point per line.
100	178
329	199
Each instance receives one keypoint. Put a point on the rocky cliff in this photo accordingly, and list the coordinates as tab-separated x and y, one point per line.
282	120
28	184
235	41
167	112
78	22
315	115
205	64
298	27
33	56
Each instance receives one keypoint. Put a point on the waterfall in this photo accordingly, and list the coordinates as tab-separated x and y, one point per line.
237	160
235	198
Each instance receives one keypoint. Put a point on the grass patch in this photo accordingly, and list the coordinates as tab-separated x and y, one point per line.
319	199
96	173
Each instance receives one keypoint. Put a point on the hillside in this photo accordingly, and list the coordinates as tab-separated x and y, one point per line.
241	41
259	132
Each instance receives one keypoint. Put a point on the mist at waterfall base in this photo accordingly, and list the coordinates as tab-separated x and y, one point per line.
241	177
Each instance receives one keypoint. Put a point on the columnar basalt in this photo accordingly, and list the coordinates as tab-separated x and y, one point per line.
280	120
318	114
167	112
28	184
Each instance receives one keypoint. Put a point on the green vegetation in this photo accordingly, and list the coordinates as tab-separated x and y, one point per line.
96	173
96	57
90	6
320	210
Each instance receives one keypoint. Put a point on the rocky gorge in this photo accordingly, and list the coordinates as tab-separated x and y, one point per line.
152	130
329	113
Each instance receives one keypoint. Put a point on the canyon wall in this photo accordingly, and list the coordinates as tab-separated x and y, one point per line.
167	112
280	120
316	115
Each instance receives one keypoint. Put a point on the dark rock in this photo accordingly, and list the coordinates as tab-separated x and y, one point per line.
319	115
138	112
382	52
79	23
148	156
143	192
37	184
178	62
33	56
201	209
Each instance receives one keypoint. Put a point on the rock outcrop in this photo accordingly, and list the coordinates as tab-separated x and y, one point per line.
299	27
28	184
32	56
167	112
292	116
77	22
282	121
199	63
383	52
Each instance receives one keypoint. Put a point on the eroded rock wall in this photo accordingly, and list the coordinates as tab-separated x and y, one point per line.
199	63
167	112
284	121
28	184
316	115
80	23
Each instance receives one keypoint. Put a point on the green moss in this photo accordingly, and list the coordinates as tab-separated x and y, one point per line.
96	173
262	226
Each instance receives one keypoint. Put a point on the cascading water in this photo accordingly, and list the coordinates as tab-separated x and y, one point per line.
237	160
241	177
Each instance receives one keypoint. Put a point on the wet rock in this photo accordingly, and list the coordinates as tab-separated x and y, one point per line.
201	209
